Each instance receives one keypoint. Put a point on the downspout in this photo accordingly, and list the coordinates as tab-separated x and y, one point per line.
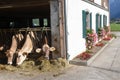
109	12
66	29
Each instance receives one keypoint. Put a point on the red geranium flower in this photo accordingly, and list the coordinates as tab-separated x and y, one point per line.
84	56
107	39
99	44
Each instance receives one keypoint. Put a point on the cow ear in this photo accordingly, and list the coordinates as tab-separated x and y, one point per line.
25	53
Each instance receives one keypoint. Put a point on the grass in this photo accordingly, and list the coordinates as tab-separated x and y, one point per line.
115	27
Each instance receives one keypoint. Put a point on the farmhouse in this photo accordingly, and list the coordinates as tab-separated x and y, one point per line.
63	22
83	15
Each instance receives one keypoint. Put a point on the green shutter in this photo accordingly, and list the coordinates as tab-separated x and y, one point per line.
103	20
106	20
97	23
84	23
90	21
100	21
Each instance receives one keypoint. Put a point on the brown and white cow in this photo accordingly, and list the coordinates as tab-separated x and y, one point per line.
13	47
46	49
26	48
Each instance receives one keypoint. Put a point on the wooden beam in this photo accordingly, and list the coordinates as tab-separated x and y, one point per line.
14	4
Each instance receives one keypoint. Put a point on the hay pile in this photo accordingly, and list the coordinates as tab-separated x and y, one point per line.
27	66
40	64
52	65
8	67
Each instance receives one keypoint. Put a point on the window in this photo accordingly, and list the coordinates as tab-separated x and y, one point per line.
36	22
45	22
87	22
98	22
104	20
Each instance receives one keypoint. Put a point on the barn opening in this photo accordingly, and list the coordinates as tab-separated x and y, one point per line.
22	16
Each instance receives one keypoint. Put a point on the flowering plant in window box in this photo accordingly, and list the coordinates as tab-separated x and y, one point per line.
107	29
101	33
89	39
108	37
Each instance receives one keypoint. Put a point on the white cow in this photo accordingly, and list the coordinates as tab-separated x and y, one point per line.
26	49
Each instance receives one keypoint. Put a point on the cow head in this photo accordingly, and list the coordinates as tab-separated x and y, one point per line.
9	55
21	57
46	50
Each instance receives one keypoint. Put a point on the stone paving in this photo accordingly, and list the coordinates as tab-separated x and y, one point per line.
105	67
109	58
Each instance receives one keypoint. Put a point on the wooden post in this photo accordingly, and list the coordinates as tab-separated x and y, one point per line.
62	29
55	32
57	28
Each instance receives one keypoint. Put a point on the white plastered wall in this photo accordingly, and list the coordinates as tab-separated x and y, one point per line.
75	40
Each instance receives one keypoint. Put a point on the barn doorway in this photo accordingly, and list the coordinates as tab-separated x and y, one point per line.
24	18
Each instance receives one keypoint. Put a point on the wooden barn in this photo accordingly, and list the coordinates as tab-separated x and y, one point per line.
63	22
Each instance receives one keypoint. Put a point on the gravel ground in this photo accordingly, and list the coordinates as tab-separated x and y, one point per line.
71	73
29	75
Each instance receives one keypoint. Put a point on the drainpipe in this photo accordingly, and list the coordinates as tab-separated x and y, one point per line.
109	11
66	29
